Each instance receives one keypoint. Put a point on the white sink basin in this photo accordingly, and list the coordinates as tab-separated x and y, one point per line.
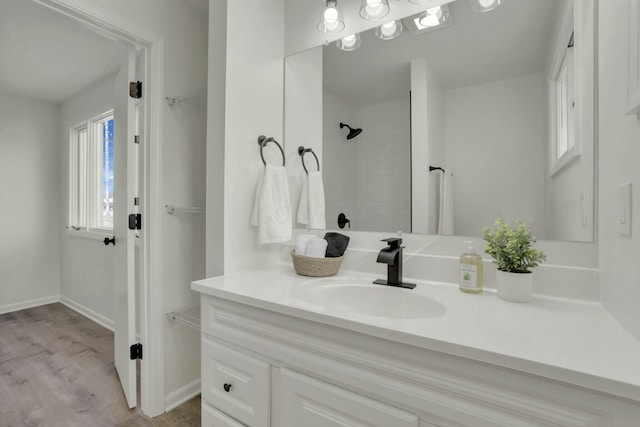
364	298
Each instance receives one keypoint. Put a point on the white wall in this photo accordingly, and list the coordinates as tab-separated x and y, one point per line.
303	122
86	264
496	130
185	37
383	153
30	218
570	192
436	150
618	162
340	175
254	106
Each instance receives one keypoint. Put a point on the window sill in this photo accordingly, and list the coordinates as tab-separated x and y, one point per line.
90	234
565	160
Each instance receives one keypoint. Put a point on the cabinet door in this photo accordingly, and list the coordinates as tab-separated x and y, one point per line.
211	417
307	402
236	383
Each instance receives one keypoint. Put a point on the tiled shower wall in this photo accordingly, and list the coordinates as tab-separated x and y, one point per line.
369	177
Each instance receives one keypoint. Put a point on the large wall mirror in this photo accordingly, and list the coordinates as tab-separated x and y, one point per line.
501	103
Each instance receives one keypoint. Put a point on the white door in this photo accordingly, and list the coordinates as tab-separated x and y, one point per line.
124	169
308	402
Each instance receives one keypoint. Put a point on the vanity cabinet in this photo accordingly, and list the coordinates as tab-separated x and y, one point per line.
262	368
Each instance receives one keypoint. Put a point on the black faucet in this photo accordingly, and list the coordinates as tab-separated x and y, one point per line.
392	256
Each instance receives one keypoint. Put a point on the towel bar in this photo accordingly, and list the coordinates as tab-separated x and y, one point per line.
302	151
262	141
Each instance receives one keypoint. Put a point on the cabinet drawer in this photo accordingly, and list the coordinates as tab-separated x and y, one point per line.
308	402
236	383
211	417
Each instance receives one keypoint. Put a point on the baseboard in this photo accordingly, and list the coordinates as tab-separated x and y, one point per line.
23	305
87	312
181	395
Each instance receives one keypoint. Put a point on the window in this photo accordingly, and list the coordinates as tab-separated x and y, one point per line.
91	175
563	147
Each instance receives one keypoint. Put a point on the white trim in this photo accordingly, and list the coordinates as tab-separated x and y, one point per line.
633	89
23	305
100	319
151	304
181	395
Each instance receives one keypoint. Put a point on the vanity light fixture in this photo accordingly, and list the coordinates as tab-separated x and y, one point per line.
481	6
349	43
331	20
372	10
389	31
433	17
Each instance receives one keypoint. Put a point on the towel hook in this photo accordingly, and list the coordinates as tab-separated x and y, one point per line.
302	151
262	141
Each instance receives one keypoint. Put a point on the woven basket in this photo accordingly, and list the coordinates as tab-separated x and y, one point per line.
316	267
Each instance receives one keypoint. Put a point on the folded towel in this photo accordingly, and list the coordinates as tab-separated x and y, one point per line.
301	242
336	244
316	248
445	219
311	209
272	206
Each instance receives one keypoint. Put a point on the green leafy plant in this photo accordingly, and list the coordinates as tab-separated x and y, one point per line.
511	248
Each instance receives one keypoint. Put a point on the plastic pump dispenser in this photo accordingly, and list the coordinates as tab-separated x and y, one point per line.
470	270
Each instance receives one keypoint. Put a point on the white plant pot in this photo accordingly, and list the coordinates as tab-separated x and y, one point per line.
514	287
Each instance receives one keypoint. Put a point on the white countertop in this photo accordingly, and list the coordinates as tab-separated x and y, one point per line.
571	341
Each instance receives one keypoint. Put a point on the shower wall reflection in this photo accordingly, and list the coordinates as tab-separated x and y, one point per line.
367	177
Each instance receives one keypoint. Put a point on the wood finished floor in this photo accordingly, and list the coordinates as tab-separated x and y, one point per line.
56	369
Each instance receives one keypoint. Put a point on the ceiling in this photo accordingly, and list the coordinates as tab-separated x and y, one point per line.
513	40
48	56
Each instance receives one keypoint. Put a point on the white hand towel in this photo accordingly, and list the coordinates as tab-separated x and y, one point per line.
316	201
301	242
272	207
445	220
303	205
311	209
316	248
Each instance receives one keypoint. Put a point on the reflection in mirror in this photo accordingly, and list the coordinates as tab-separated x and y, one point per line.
502	101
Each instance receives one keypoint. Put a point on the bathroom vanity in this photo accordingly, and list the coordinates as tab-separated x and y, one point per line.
283	350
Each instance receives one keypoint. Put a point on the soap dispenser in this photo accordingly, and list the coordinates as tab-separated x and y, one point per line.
470	270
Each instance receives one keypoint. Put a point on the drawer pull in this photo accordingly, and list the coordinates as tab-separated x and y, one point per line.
227	387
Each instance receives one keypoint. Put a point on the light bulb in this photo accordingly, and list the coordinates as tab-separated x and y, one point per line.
487	3
375	8
330	15
432	17
388	29
349	41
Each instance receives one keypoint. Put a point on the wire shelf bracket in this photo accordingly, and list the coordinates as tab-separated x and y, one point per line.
171	209
196	98
190	317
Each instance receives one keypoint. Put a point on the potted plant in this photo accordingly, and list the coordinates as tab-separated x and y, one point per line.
512	251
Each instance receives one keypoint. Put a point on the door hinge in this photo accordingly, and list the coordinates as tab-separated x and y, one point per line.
135	90
136	139
135	351
135	221
136	201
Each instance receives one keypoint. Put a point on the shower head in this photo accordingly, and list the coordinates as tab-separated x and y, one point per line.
352	132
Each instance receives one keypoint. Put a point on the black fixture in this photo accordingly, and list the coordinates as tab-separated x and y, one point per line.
263	141
342	220
302	151
392	256
435	168
227	387
352	132
112	240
